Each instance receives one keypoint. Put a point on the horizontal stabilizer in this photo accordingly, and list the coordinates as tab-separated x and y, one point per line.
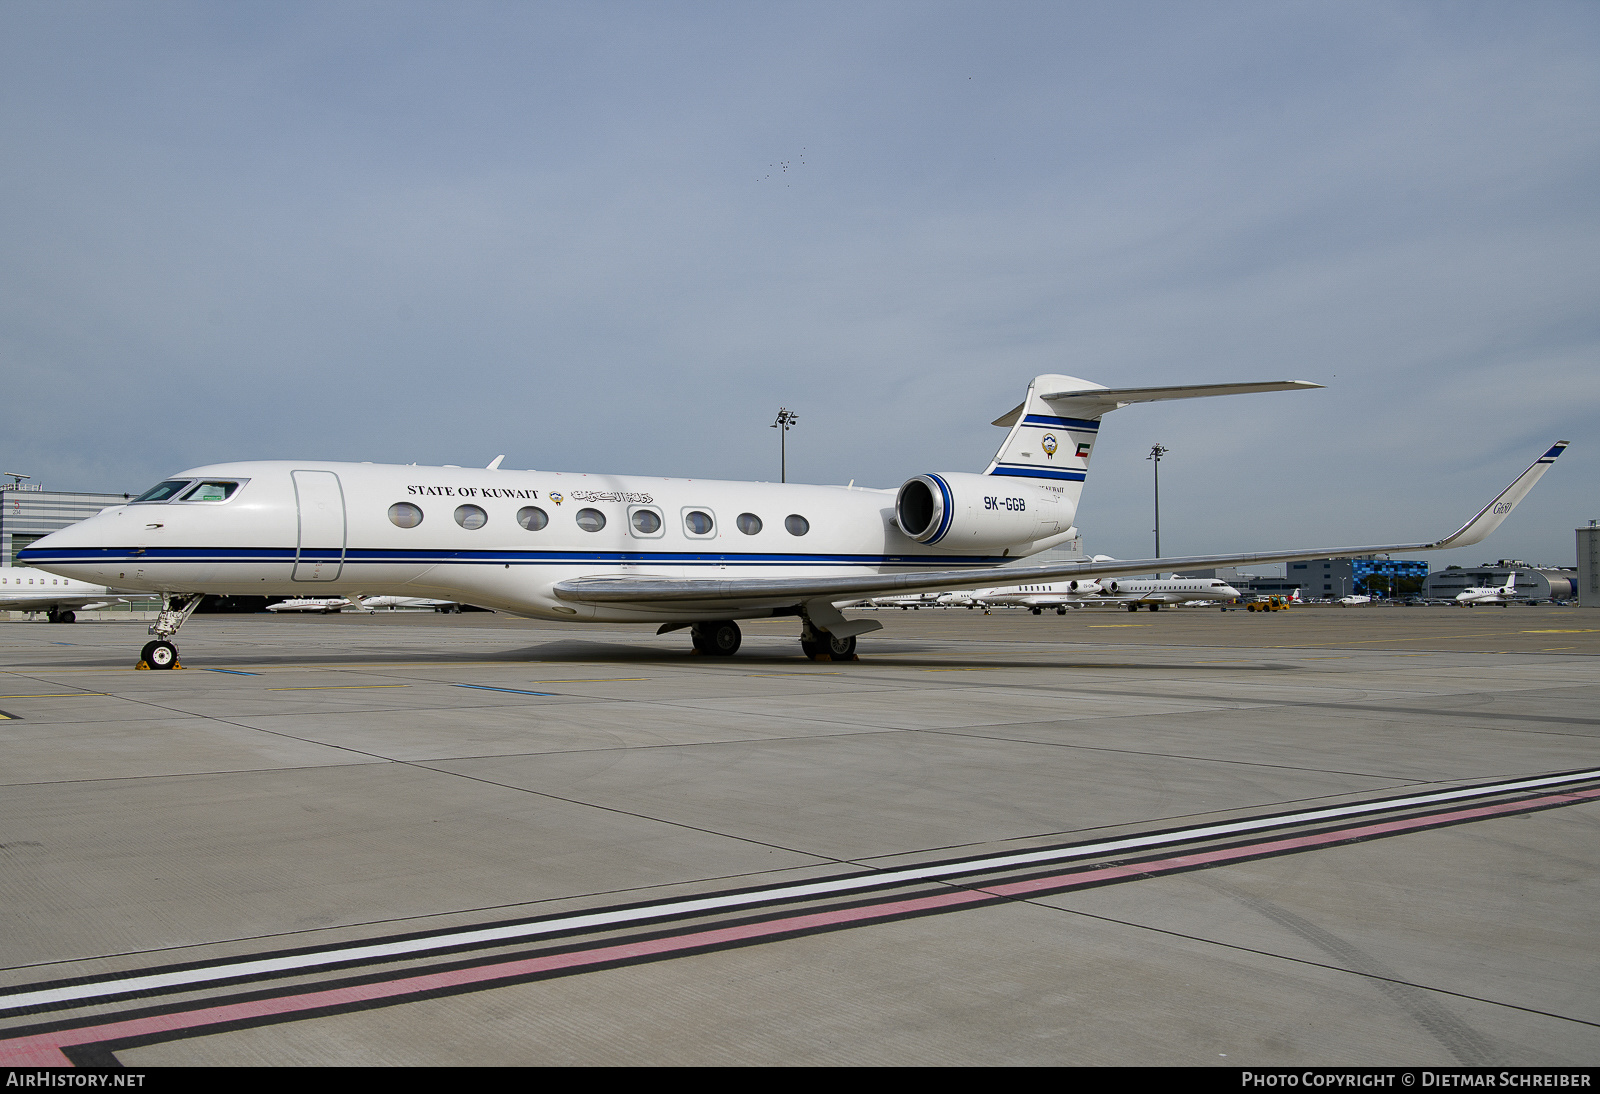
1094	402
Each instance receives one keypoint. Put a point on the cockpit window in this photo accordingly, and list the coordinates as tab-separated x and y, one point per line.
210	491
163	491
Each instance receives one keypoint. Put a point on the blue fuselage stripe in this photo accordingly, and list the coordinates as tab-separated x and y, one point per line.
246	555
1080	424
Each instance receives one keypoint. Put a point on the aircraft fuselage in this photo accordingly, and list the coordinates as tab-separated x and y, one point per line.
500	539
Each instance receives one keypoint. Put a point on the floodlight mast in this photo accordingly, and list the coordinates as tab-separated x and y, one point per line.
1156	452
785	419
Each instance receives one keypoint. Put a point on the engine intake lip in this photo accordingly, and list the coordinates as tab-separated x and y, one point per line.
924	508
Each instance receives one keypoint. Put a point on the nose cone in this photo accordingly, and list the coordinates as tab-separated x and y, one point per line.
1230	592
84	550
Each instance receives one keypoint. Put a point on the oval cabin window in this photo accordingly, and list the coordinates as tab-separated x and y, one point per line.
402	514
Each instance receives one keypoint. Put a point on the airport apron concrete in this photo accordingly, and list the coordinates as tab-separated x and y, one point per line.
319	554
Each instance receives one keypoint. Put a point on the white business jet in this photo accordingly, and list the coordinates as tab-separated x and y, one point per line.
1151	593
25	589
1489	594
332	604
1036	596
681	553
1172	589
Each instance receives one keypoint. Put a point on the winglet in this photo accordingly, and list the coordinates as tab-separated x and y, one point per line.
1490	516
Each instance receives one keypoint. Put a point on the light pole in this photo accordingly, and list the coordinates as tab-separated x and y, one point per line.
786	418
1156	452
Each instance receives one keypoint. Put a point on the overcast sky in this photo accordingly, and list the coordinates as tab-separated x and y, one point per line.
618	236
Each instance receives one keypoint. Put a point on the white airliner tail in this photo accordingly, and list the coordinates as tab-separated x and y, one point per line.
1054	429
1045	445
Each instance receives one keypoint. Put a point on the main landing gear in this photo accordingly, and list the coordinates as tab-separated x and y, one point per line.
825	635
162	654
819	645
719	638
61	615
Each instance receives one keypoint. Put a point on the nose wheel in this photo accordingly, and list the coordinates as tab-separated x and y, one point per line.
160	654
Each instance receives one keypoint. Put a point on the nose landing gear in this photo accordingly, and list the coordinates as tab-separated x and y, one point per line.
162	654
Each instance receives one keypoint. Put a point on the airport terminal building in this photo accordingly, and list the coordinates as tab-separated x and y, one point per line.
1332	578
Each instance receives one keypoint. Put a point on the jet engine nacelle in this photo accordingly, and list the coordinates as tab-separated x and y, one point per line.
964	512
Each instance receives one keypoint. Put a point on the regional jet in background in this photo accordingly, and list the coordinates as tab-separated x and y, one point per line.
1170	590
679	553
1489	594
25	589
1150	592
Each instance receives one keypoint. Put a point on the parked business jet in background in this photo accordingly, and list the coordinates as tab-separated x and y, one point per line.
25	589
1151	593
1489	594
681	553
328	604
1170	590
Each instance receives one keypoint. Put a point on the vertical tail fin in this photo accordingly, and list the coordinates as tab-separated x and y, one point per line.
1043	445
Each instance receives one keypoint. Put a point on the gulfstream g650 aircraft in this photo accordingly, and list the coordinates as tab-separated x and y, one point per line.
677	552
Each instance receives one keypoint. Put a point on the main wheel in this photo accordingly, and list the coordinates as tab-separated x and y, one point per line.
719	638
1061	610
1133	607
810	649
1155	607
66	617
159	655
841	648
1036	611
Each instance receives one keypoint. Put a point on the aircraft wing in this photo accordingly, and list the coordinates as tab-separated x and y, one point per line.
43	603
755	592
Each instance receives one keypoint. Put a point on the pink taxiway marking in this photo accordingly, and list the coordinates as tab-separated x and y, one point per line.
45	1049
